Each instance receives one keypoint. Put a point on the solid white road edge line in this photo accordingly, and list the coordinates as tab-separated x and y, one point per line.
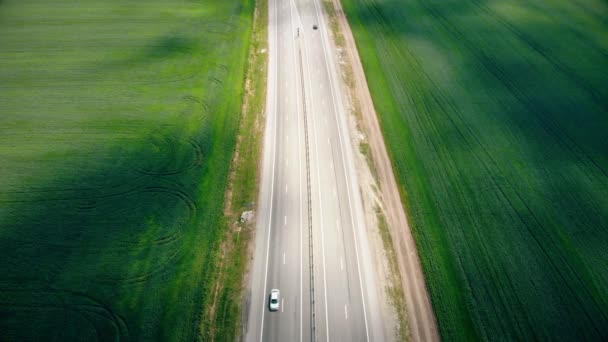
274	155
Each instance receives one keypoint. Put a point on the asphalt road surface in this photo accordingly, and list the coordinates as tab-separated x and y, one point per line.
310	242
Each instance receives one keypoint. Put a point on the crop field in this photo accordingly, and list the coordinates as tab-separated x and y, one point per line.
495	114
118	121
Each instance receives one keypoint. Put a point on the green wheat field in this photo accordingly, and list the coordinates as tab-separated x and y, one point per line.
495	113
118	121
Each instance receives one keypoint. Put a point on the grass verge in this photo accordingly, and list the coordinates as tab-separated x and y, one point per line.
395	289
225	312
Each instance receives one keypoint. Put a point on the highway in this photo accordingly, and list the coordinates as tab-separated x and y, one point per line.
311	240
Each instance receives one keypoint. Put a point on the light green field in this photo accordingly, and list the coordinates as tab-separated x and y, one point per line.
495	114
118	122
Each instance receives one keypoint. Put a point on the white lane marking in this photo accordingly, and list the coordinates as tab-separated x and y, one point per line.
286	161
286	99
285	188
287	137
335	193
274	155
283	304
321	85
322	102
333	86
331	164
341	264
345	311
285	219
283	258
320	205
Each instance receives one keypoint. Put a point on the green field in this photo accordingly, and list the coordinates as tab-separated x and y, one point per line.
495	114
118	121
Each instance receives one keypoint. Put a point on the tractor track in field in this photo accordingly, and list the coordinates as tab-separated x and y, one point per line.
196	161
512	86
63	300
468	136
143	277
96	196
170	147
558	65
514	89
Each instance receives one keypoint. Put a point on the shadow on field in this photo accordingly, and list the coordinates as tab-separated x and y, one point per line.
106	262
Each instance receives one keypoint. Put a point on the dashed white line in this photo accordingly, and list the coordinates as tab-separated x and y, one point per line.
341	264
345	311
283	305
285	188
285	219
283	258
292	3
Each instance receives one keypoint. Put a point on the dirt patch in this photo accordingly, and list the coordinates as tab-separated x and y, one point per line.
400	276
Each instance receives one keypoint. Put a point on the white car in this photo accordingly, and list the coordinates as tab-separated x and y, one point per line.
274	300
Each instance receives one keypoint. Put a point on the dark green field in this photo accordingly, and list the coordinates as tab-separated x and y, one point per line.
118	121
496	117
